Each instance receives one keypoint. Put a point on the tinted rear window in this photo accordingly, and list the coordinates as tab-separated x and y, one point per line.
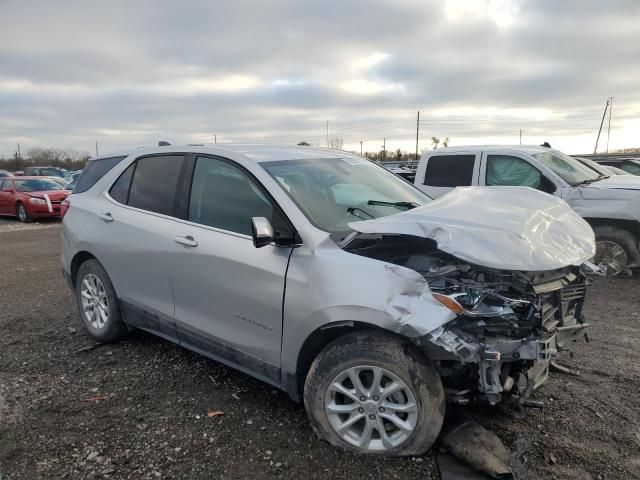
94	171
154	183
450	171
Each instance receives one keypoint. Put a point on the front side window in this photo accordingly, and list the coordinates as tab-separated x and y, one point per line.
332	192
450	171
509	170
224	196
567	168
154	183
36	185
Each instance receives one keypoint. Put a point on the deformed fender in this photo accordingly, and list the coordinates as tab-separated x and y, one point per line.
331	285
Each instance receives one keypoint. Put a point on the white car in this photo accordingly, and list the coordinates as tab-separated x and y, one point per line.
610	203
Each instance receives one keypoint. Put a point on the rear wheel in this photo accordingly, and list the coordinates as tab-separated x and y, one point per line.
375	393
22	214
615	250
98	303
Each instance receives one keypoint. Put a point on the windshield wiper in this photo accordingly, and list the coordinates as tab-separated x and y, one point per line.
353	210
381	203
591	180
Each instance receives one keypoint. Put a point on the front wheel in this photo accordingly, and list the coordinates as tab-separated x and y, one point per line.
615	250
22	214
375	393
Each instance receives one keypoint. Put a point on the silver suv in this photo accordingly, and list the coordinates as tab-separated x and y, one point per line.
331	278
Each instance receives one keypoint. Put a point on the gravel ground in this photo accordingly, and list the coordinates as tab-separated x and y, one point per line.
139	409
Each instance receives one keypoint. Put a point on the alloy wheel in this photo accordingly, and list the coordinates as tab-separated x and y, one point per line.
22	213
610	257
95	305
371	408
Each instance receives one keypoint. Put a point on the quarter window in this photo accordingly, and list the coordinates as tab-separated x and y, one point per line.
450	171
154	183
120	190
225	197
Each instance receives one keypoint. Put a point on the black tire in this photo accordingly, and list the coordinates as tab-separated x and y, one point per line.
22	214
625	240
114	329
401	358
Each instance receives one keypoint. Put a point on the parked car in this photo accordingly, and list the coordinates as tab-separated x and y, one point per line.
47	172
325	275
629	165
5	173
611	204
29	198
616	170
60	181
602	170
407	173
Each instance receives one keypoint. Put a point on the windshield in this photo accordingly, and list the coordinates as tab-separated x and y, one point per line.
39	185
630	166
596	167
333	192
567	168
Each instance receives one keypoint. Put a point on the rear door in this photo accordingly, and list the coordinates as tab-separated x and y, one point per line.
229	294
140	252
440	173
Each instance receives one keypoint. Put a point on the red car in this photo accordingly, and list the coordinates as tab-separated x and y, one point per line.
29	198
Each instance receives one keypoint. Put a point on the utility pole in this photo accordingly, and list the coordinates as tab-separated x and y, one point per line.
609	128
417	134
604	114
215	138
384	149
360	147
327	133
520	136
19	155
96	148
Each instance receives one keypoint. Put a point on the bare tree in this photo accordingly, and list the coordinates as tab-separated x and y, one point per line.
435	141
445	142
336	143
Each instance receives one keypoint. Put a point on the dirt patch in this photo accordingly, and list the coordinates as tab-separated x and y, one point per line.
138	409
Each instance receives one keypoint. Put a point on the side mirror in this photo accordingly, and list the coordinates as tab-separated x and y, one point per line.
261	231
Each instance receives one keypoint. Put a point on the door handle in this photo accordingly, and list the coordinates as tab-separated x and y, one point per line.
187	240
106	216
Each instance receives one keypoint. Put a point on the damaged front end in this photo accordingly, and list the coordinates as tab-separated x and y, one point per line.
509	324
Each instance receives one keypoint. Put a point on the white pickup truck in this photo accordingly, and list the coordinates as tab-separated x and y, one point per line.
611	204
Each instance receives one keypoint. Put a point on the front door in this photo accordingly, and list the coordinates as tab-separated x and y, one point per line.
228	294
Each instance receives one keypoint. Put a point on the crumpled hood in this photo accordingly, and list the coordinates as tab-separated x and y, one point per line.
627	182
507	228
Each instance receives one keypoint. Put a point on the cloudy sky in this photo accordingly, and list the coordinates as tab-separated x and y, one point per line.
130	73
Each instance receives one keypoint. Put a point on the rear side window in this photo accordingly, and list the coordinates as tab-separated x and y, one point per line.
94	171
450	171
154	183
